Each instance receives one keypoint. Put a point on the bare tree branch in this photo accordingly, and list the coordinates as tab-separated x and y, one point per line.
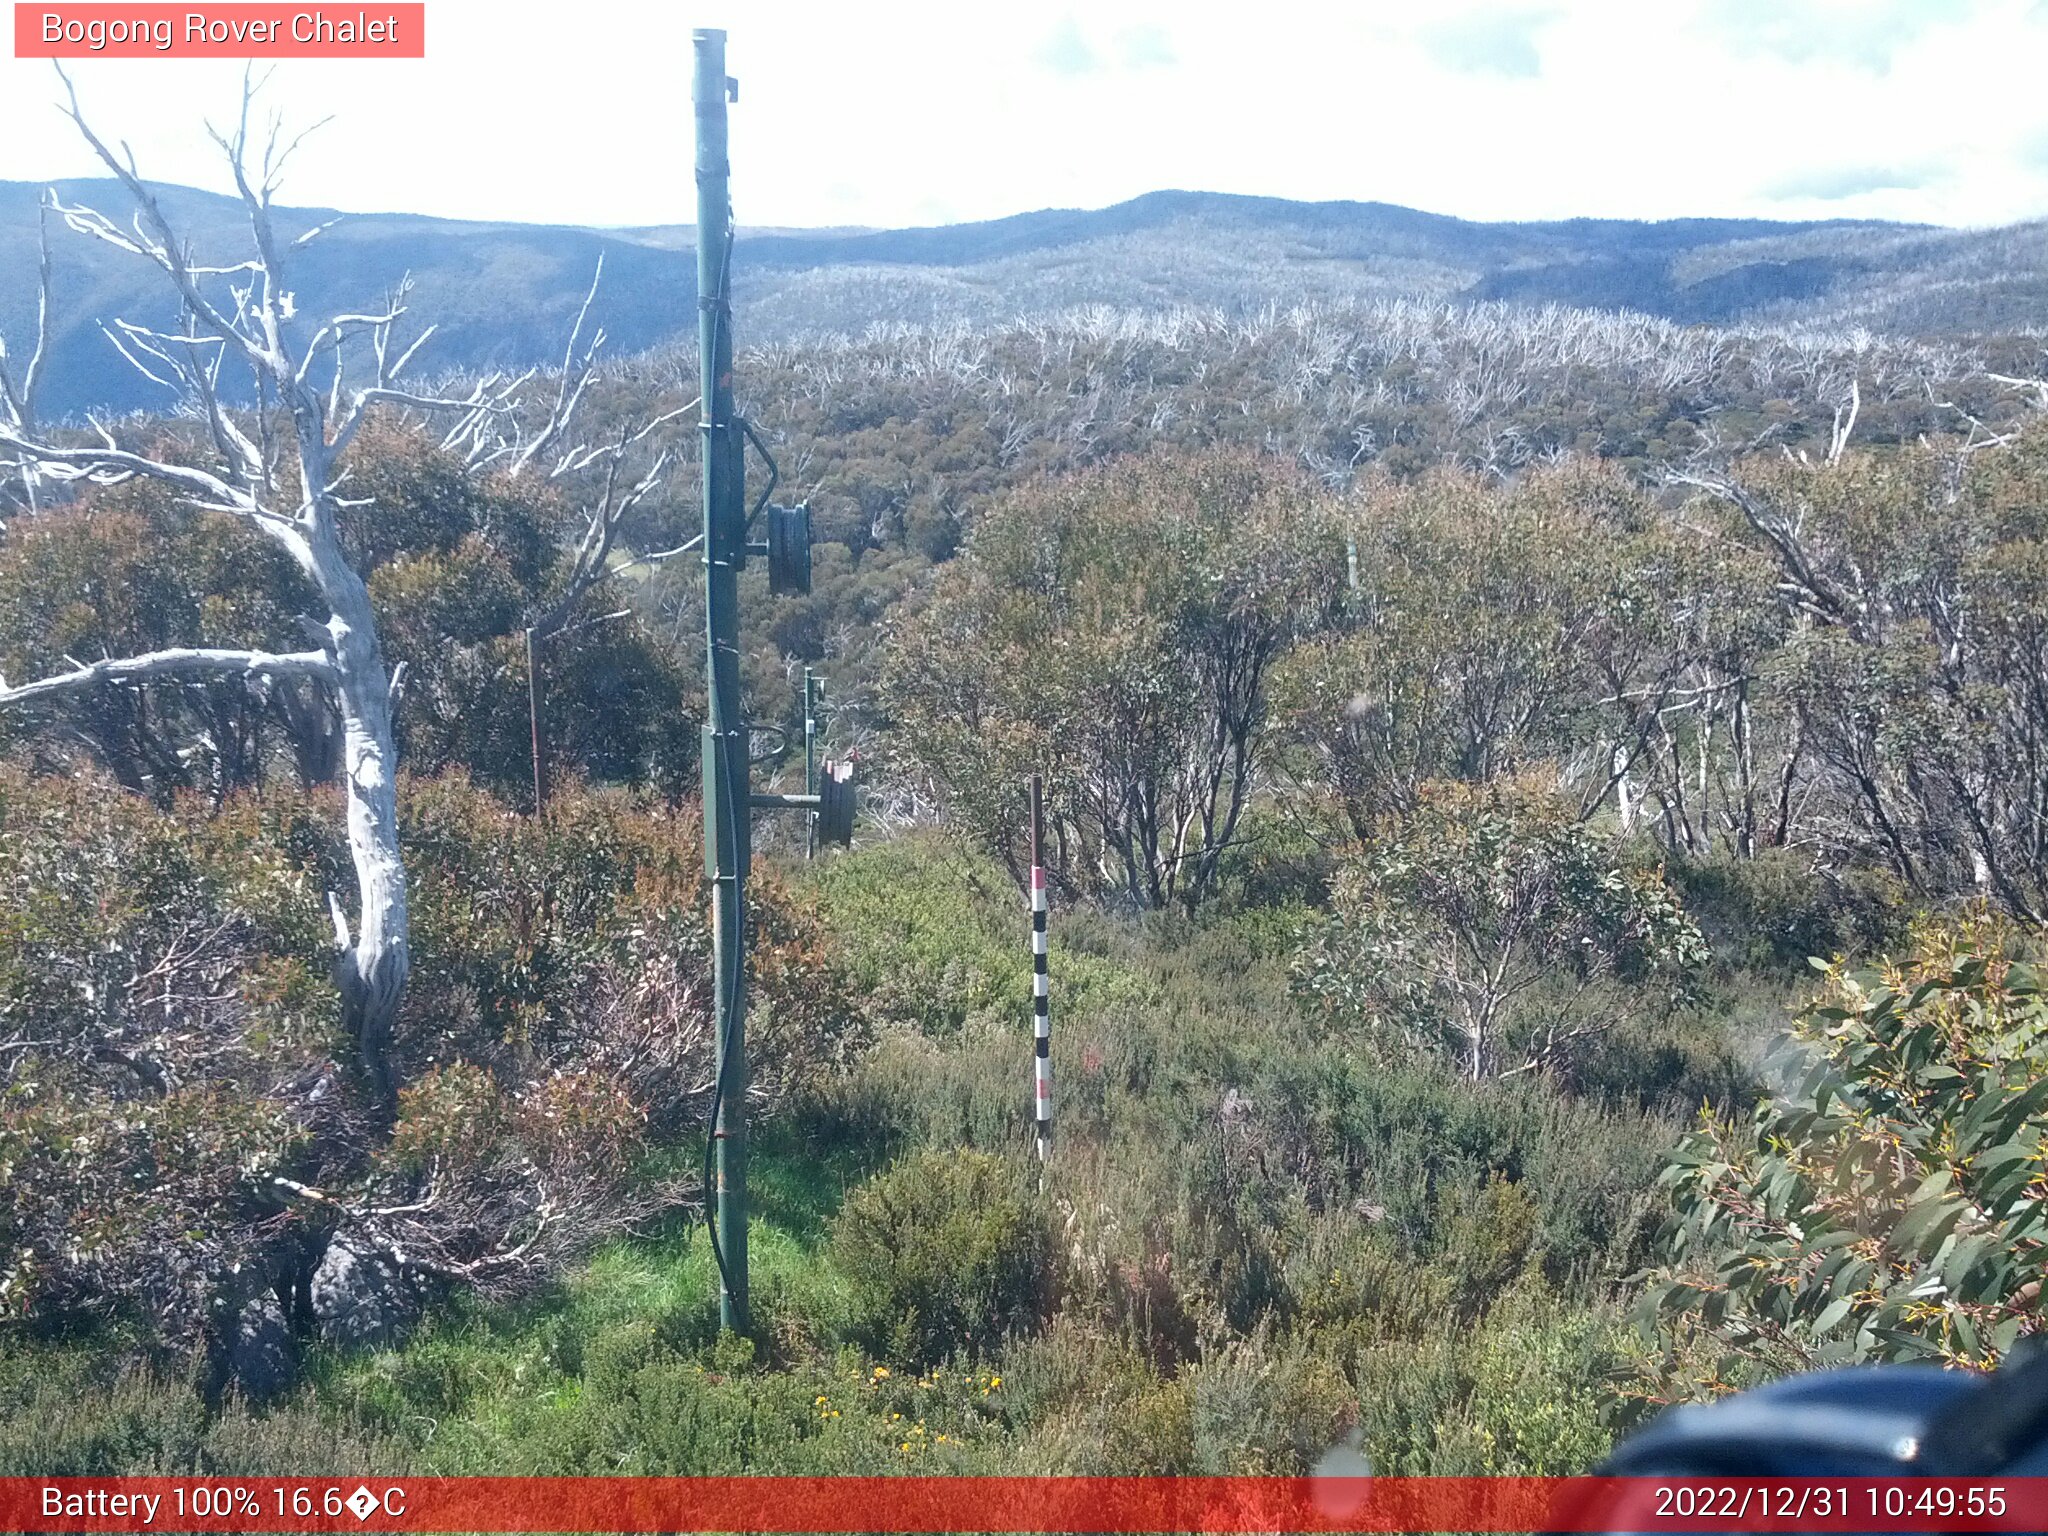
1782	532
104	463
2038	388
197	662
155	238
577	373
19	397
592	561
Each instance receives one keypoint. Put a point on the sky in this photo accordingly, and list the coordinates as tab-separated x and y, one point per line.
900	112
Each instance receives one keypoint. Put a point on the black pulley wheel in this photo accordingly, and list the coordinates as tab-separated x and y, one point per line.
835	804
789	551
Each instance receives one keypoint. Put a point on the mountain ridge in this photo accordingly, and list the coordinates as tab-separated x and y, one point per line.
504	293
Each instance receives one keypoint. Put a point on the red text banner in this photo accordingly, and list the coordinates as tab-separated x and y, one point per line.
237	31
998	1504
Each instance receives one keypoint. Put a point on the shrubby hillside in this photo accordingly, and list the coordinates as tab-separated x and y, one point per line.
1598	745
1545	823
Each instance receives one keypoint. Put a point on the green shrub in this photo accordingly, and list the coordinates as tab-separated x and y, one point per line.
1520	1395
64	1414
1490	926
1250	1406
1277	861
1704	1053
1061	1387
163	979
301	1437
1777	910
945	1252
1350	1288
1260	1410
1884	1201
1542	1383
179	1053
936	936
1413	1145
1115	630
914	916
1488	1233
89	1409
644	1409
1148	1433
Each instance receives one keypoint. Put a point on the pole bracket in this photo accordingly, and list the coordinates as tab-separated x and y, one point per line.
774	802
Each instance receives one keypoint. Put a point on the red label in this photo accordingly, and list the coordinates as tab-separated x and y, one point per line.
142	1505
381	31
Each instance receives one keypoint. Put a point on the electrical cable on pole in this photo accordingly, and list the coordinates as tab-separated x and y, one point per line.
725	746
811	690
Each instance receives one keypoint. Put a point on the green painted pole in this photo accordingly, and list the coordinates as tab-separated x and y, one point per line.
727	808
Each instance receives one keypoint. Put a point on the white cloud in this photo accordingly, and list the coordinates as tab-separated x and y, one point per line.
1503	43
900	111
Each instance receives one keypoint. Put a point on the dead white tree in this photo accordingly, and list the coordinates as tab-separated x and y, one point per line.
238	314
1846	408
596	476
19	395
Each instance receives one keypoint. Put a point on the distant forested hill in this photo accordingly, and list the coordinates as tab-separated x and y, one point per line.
504	294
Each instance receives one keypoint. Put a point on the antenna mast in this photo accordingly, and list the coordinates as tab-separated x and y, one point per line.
729	801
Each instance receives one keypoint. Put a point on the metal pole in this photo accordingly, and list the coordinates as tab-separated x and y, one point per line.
810	761
727	811
540	762
1041	982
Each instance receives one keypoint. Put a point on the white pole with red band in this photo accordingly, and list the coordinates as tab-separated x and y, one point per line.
1041	983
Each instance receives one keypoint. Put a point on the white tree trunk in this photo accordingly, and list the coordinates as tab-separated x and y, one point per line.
372	971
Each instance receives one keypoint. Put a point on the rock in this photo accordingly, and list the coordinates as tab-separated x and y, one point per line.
362	1297
261	1361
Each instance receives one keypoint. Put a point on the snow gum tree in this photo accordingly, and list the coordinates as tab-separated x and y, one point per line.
279	469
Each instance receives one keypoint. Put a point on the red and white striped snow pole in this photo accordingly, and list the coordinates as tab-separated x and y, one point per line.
1041	984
